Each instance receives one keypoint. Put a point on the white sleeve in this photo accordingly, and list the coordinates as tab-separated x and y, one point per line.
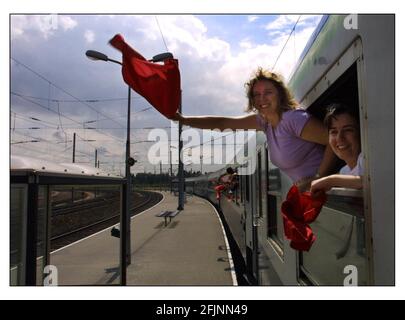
360	164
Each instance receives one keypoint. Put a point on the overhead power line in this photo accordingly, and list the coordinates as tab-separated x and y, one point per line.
279	55
83	100
161	33
63	90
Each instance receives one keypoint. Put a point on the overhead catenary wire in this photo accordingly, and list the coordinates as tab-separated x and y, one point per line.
59	101
80	101
63	90
279	55
161	33
73	120
50	125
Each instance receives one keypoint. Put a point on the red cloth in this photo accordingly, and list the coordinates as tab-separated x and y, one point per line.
300	209
218	190
157	83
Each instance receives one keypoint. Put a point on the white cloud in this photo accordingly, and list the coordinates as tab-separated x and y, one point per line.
282	22
66	23
89	36
252	18
184	36
245	44
46	25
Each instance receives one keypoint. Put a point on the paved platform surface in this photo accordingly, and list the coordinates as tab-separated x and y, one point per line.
190	250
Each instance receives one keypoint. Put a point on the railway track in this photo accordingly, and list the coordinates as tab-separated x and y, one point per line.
76	233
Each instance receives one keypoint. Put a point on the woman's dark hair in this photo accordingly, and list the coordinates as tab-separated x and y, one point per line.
230	170
336	109
287	101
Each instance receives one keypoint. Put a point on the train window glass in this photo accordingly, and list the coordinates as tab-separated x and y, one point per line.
340	243
274	218
236	191
259	183
241	189
247	189
74	209
263	185
18	213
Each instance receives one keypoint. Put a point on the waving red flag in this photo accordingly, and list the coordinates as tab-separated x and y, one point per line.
157	83
300	209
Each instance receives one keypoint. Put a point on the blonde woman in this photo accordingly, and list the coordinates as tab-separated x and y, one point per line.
298	142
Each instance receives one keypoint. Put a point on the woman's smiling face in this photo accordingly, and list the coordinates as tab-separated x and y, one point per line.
344	138
265	97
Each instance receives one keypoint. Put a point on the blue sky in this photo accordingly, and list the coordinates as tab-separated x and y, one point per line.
217	54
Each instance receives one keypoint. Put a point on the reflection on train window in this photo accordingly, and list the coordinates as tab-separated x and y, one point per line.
263	183
274	218
340	232
240	190
234	190
259	183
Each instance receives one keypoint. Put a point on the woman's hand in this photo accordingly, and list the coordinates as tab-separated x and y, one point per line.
177	117
323	184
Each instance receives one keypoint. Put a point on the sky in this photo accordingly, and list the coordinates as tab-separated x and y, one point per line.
54	82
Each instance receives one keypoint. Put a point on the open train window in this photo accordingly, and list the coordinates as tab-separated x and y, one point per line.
339	228
343	90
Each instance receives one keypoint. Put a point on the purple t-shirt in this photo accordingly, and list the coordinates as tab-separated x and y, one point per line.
296	157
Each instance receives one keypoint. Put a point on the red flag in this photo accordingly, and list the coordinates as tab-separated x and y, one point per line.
300	209
159	84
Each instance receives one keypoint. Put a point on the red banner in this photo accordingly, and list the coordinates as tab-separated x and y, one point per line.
300	209
159	84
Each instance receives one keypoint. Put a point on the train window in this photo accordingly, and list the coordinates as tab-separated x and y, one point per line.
241	190
259	183
264	182
274	218
236	190
340	232
340	227
343	90
247	189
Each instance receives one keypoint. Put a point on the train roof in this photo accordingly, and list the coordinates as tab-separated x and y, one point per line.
35	165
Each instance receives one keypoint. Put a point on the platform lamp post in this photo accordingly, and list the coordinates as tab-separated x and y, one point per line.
171	167
125	224
181	165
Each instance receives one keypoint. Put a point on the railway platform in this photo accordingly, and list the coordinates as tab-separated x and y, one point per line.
190	250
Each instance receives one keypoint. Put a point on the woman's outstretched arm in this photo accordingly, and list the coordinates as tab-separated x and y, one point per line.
218	122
